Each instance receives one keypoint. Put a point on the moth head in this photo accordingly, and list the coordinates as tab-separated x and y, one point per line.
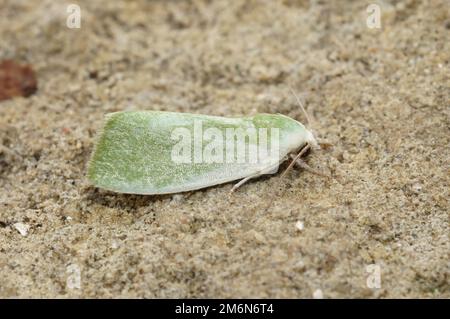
311	140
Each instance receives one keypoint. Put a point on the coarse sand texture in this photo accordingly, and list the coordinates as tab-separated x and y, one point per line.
380	96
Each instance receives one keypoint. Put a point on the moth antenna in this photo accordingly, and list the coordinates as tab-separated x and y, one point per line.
303	151
308	119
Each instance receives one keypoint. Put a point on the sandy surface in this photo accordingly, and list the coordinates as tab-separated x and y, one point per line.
380	96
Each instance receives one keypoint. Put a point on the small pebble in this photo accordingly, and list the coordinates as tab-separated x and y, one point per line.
318	294
16	80
114	244
417	187
22	228
299	225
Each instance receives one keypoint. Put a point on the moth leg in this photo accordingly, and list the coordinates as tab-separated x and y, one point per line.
308	168
295	158
265	170
243	181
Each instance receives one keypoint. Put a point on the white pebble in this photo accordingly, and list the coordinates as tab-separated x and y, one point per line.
114	245
22	228
318	294
417	187
299	225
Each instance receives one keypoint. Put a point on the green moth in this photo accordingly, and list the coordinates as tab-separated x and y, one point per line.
153	152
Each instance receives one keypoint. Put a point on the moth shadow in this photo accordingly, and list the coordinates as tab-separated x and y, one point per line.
119	200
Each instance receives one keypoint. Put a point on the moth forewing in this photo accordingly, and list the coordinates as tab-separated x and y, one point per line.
150	152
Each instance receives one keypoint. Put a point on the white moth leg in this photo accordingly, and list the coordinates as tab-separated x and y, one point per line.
243	181
296	157
261	172
308	168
